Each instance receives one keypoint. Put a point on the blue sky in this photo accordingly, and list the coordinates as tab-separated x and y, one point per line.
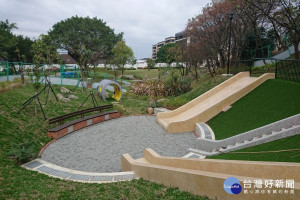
144	22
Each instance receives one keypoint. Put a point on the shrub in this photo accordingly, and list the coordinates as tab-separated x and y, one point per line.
22	153
131	68
176	85
17	80
175	102
156	104
153	88
3	85
125	78
119	108
137	77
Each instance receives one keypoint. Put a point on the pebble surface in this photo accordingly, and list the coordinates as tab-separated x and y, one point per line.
98	148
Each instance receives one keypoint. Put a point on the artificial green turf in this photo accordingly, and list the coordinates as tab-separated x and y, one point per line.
282	144
272	101
19	183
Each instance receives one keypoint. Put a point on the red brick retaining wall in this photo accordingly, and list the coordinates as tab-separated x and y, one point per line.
82	124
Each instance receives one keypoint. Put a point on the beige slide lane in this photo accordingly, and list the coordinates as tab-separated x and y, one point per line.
209	104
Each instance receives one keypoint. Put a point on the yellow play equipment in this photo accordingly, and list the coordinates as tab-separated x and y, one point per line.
117	89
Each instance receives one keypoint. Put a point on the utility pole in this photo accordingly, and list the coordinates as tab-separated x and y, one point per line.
229	39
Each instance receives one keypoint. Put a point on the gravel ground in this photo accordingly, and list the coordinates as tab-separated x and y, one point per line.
98	148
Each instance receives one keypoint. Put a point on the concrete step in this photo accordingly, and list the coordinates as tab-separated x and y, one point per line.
238	143
274	132
204	131
222	149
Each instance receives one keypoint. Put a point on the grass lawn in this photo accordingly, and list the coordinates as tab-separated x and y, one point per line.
19	183
143	73
272	101
138	73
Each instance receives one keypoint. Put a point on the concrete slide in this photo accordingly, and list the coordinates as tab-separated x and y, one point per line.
209	104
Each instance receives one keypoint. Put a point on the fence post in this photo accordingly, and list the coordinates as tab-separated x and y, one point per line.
60	72
7	71
287	44
250	66
21	66
276	67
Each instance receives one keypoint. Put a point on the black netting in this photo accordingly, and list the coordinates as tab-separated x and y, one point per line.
288	70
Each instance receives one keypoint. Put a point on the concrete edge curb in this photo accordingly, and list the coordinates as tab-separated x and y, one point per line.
44	147
56	171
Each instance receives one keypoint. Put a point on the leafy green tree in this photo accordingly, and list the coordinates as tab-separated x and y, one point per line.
7	39
178	52
150	64
164	55
14	48
86	39
123	55
258	43
43	53
23	51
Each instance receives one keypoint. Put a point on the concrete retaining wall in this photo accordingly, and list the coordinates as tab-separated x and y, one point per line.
206	177
277	130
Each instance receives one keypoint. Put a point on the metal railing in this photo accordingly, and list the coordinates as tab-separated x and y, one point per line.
80	113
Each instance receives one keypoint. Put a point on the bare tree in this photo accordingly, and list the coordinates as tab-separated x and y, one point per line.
282	14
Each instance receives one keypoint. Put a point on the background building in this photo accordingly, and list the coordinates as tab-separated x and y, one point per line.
178	37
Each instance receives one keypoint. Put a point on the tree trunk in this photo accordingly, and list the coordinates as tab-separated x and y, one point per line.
283	45
182	72
187	69
115	72
222	58
209	68
105	66
122	70
94	69
196	73
82	77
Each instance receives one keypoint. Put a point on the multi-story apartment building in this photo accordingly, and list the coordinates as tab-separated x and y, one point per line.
155	48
